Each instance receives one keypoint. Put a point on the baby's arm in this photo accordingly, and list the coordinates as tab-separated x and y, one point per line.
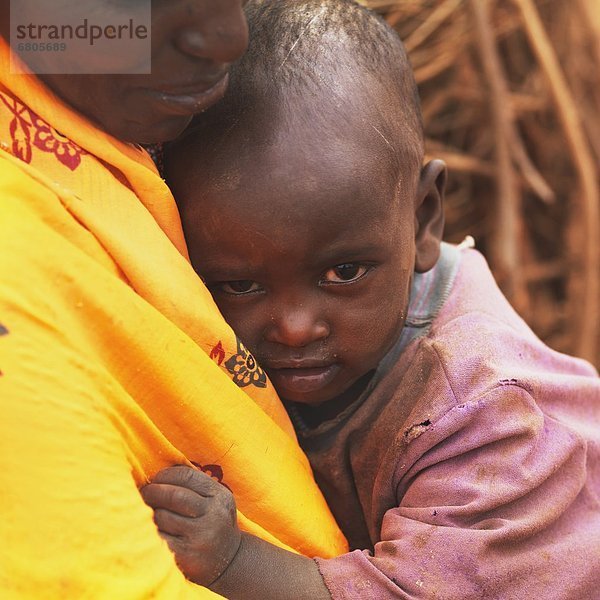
197	518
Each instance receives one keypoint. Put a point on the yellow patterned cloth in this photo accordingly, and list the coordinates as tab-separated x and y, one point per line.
115	363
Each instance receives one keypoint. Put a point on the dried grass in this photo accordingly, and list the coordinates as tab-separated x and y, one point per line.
511	100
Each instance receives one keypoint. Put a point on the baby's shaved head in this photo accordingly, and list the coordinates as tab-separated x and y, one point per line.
325	64
292	40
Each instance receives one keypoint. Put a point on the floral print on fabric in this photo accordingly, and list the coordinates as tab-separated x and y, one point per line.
28	130
218	353
245	369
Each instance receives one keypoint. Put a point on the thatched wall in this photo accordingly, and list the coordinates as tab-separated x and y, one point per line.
511	100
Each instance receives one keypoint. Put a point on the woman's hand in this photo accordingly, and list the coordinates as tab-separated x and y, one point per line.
197	517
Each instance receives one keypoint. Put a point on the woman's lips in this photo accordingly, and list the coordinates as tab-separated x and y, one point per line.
188	101
302	380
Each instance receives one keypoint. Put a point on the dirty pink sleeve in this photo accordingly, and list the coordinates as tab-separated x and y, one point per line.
494	503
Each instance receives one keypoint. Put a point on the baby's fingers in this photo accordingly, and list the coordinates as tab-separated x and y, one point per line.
172	524
173	498
189	478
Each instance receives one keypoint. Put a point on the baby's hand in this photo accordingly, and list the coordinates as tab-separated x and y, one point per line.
197	517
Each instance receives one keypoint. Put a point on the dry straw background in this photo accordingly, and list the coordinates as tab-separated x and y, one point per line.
510	92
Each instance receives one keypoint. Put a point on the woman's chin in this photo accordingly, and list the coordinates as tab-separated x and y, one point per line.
165	130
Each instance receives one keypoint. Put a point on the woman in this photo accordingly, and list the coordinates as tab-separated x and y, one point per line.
114	361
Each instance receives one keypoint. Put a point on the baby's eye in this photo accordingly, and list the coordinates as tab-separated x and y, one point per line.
237	288
345	273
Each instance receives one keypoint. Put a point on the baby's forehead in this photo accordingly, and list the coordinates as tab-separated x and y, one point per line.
300	182
304	182
301	150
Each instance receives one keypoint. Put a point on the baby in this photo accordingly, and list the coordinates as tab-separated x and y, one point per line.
458	453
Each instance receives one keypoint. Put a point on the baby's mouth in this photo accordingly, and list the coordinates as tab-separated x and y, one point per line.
301	377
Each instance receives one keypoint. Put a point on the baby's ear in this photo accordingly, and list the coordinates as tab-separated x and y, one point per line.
429	215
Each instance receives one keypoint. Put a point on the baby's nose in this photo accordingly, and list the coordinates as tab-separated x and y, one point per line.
296	328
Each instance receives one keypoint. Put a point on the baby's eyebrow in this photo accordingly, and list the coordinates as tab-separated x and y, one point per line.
342	252
229	272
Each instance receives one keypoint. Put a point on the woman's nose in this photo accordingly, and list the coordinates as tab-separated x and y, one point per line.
215	30
296	329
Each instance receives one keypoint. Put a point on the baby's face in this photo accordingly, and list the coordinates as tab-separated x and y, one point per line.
308	251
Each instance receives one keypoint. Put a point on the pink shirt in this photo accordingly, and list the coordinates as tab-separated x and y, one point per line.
471	469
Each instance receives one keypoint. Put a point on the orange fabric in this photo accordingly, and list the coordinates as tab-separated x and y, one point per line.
115	363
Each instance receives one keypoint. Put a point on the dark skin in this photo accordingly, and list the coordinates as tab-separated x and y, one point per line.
193	44
309	249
